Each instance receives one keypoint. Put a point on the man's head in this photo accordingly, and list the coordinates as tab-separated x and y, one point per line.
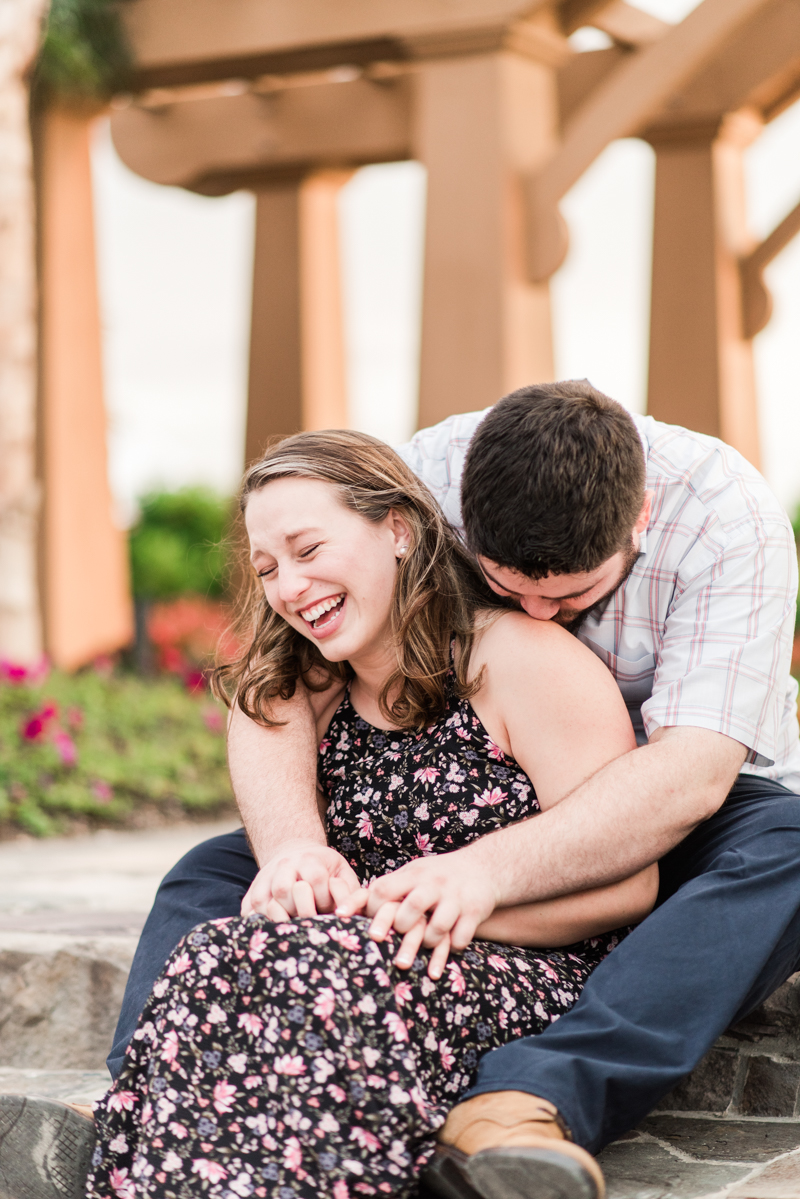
553	498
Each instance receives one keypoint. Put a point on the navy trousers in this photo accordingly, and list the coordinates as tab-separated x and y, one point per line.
724	934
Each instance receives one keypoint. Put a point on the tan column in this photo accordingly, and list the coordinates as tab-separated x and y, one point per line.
480	123
701	366
87	604
274	404
297	360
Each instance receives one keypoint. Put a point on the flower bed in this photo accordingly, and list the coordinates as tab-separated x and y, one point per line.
106	749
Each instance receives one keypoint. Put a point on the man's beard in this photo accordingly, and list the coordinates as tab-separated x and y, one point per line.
572	621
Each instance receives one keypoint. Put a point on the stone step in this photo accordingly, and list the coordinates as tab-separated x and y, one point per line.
60	994
73	1086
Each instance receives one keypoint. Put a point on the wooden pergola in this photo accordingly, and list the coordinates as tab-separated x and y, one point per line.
287	98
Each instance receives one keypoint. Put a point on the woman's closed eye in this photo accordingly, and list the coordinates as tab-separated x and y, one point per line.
306	553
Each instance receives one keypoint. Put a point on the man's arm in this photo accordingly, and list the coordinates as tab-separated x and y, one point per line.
626	816
274	776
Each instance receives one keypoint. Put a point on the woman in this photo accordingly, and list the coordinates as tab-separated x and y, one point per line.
300	1056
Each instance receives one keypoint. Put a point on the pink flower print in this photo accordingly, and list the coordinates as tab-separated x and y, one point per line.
223	1097
221	984
289	1064
121	1184
257	942
180	964
179	1130
122	1101
336	1093
171	1162
251	1022
500	963
346	939
494	751
426	775
340	1190
423	843
457	981
468	817
292	1154
170	1050
446	1055
402	993
364	825
490	798
210	1171
366	1140
440	823
325	1003
396	1026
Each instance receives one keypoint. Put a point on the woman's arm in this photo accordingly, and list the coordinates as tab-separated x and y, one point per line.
550	703
556	922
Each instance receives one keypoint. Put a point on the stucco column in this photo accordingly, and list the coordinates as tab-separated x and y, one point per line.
701	365
84	562
480	123
297	360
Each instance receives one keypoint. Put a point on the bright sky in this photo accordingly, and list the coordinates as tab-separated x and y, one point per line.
177	320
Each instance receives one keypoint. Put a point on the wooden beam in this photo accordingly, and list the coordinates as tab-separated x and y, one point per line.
253	139
757	301
180	41
628	26
618	108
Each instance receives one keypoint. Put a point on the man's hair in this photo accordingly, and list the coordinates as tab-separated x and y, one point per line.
553	481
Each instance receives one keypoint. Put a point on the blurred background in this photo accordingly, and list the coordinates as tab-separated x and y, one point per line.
222	222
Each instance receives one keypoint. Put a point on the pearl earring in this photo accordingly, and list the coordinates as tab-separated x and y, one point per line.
403	549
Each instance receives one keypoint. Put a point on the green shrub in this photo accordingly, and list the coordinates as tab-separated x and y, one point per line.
108	750
84	56
178	544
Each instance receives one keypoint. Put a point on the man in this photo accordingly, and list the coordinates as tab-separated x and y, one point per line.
686	590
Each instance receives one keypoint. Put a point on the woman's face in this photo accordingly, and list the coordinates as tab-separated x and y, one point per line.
326	570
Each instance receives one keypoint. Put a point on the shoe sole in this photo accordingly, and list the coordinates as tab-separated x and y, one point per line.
45	1149
512	1173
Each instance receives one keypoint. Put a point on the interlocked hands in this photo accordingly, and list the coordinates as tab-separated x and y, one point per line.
437	901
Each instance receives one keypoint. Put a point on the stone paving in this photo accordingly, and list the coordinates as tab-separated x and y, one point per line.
70	914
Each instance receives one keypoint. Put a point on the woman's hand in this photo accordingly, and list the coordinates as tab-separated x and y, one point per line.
437	901
303	878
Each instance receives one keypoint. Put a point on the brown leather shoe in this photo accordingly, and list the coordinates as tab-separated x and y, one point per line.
45	1148
510	1145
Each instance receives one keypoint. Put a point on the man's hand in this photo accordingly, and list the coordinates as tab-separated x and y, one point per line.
437	901
301	879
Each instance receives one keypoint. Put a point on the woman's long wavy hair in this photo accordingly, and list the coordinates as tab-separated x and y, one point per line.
437	591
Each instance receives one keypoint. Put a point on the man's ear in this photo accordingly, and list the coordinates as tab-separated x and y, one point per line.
643	519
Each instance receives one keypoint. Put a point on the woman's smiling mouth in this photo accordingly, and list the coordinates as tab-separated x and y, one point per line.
322	614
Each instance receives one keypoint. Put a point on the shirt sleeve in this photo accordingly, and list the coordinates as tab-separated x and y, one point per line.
724	659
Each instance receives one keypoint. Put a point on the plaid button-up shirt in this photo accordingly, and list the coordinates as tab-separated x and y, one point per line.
701	632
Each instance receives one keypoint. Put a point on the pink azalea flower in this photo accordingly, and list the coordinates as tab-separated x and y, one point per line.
102	792
223	1097
65	747
211	1171
212	719
289	1064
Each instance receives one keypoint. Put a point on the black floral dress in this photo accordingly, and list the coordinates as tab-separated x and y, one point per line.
294	1060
